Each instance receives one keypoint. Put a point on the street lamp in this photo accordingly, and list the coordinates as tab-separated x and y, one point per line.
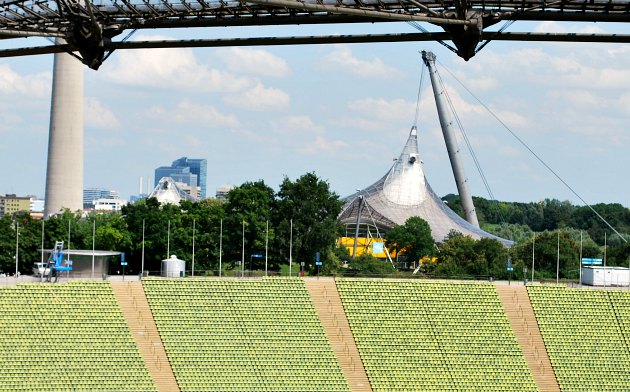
17	246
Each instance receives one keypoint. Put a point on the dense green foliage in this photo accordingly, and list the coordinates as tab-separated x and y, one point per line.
413	238
549	214
255	218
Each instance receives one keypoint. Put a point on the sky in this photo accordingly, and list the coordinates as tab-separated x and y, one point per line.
341	111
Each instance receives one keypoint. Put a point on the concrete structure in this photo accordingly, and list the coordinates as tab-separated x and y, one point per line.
401	193
605	276
10	204
64	175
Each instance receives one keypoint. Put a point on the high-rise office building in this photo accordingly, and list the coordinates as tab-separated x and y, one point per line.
191	172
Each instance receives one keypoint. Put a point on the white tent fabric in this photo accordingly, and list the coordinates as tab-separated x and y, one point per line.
167	192
404	192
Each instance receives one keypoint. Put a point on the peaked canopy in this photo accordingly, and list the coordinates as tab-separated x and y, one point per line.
404	192
167	192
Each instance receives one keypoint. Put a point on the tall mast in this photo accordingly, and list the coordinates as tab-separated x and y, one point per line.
451	142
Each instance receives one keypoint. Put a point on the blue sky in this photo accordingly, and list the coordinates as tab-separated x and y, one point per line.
342	111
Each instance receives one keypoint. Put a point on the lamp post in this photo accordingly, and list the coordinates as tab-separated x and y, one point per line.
142	262
17	247
291	248
243	253
220	247
558	261
533	254
193	250
93	244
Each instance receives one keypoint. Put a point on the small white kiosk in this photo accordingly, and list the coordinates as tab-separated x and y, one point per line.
173	267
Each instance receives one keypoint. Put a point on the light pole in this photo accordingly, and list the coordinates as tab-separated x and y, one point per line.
168	240
193	250
558	260
580	260
93	243
220	247
266	246
533	254
17	247
243	253
142	262
291	248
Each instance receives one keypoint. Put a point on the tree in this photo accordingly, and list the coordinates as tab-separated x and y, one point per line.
313	208
546	254
8	236
156	240
461	255
368	265
413	238
511	231
249	207
206	215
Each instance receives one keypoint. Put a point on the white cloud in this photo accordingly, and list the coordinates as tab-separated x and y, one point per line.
10	121
294	124
255	61
259	98
37	84
97	115
624	103
324	145
578	98
567	67
171	69
555	27
187	112
342	58
483	83
300	133
382	109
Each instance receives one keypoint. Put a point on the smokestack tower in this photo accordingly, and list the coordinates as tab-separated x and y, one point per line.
64	174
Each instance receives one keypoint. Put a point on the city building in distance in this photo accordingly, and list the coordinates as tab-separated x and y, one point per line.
189	174
11	204
222	191
91	194
102	200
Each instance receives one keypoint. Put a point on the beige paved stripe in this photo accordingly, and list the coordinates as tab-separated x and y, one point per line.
519	311
135	307
330	310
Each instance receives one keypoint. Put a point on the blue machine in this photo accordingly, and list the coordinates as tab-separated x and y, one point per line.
56	263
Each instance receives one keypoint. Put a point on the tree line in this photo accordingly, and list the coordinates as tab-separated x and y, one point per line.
296	222
300	220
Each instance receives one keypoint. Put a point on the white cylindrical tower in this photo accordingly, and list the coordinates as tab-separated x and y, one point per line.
64	174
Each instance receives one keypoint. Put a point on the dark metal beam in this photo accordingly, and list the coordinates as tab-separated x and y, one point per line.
330	39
